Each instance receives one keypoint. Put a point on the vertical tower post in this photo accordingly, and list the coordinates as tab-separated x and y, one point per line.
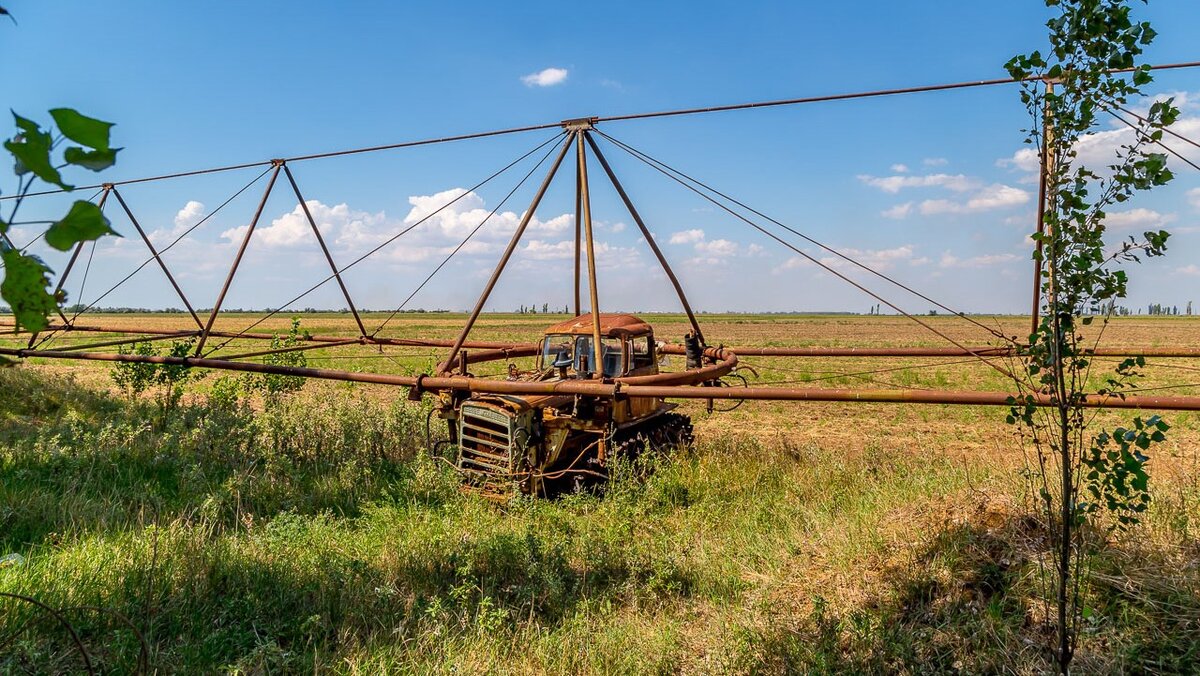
1046	166
593	292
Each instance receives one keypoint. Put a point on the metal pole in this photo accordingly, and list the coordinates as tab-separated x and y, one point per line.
578	234
512	245
594	293
237	259
609	390
1045	167
154	253
637	218
325	250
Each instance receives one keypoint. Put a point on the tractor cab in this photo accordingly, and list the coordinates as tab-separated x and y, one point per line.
626	348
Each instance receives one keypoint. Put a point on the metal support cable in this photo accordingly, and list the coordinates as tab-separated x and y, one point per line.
467	239
1159	143
391	239
610	118
823	266
806	238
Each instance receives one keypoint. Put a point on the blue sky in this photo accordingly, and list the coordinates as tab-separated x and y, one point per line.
928	188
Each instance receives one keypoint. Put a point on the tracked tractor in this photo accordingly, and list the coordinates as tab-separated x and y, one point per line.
547	444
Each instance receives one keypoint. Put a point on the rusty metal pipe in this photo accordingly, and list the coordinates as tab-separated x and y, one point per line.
611	390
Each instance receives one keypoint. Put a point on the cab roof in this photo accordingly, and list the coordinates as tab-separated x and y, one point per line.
612	325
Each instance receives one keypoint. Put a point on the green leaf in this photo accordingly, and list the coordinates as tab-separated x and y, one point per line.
96	160
31	149
84	222
79	128
25	289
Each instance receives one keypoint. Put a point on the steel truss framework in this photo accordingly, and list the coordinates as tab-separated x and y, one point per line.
452	372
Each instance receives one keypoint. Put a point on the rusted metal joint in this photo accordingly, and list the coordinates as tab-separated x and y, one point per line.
107	186
418	389
580	124
278	162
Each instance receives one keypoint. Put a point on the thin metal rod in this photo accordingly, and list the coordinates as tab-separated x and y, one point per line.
1045	166
637	218
611	118
508	252
593	291
237	260
129	341
154	252
325	250
293	348
861	95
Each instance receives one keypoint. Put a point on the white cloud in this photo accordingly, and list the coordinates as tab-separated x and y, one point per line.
190	214
445	219
900	168
1193	196
949	260
893	184
1193	270
545	78
935	161
717	248
995	196
1025	159
1136	218
898	212
876	259
687	236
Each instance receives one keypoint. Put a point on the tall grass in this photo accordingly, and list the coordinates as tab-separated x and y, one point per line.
316	535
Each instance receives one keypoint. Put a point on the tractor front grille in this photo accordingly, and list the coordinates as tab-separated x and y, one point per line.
485	442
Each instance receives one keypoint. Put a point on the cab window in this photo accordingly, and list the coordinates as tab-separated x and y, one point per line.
641	350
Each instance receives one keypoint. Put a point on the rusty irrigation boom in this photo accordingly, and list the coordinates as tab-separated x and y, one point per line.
590	388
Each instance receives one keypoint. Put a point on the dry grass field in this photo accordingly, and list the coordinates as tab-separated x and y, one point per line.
312	534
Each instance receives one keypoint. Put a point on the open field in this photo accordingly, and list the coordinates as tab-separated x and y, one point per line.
312	534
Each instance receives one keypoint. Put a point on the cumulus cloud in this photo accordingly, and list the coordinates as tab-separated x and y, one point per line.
898	212
876	259
717	248
438	223
900	168
949	260
1136	218
1192	270
894	184
1193	196
687	236
190	214
995	196
935	161
545	78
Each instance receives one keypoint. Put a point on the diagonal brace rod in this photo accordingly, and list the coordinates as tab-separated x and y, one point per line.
637	218
508	252
237	259
154	252
325	250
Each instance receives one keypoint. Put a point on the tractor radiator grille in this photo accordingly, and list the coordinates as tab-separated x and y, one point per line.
484	441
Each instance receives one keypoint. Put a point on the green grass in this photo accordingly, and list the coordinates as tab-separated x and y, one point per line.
317	536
